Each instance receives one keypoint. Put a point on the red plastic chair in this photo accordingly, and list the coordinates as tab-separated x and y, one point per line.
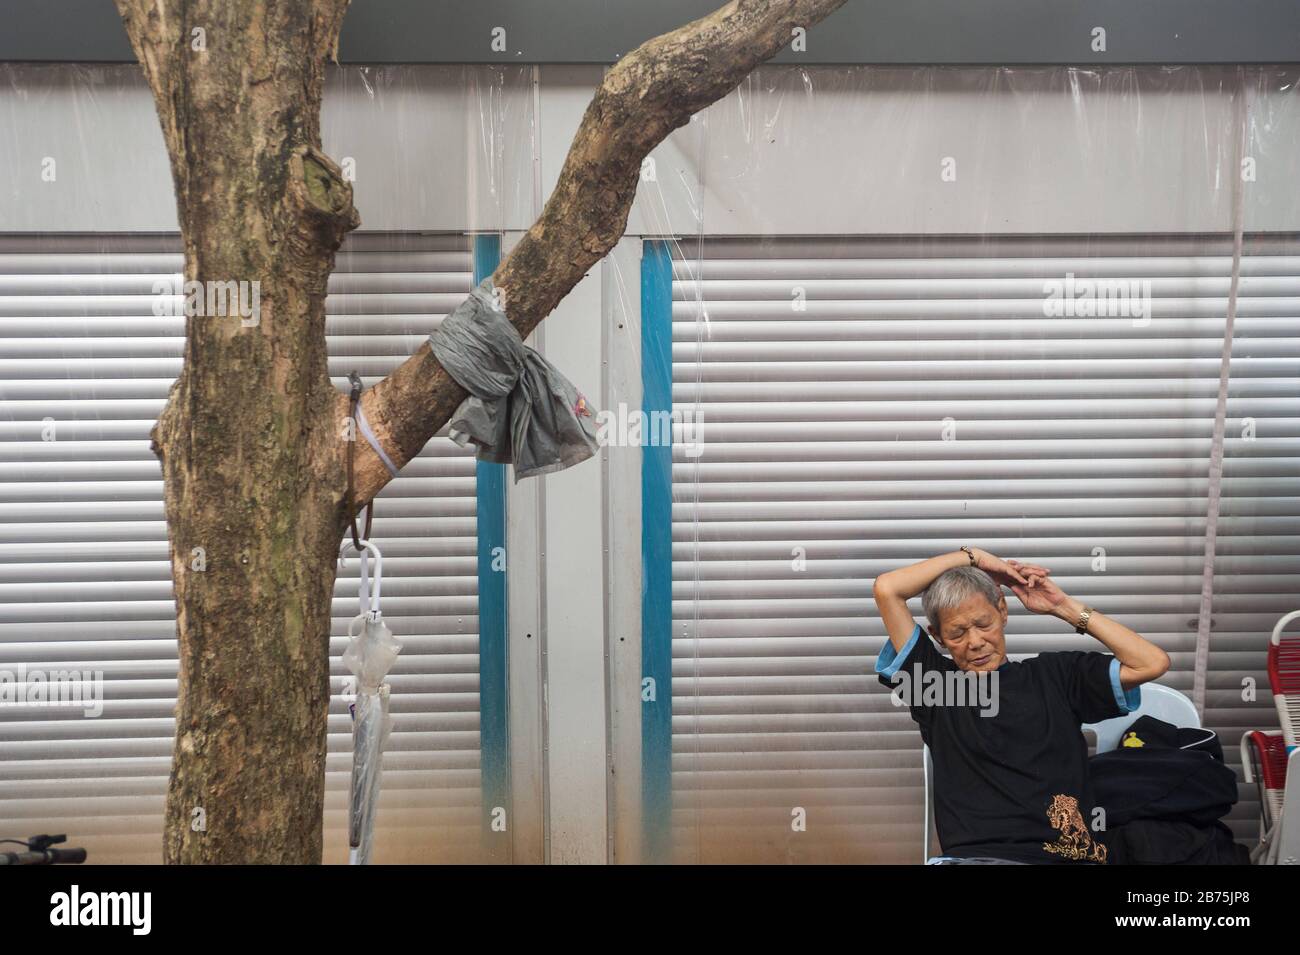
1263	760
1265	755
1284	675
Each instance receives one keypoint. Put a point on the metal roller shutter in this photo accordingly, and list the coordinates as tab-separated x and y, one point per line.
84	577
823	436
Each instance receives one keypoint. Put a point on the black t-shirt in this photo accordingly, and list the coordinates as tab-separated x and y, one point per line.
1012	784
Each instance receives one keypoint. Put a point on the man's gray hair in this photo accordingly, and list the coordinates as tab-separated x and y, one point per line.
952	588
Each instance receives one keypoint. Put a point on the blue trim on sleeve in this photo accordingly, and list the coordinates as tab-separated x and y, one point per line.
889	660
1126	700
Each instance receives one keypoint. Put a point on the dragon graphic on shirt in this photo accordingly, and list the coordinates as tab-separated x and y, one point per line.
1074	842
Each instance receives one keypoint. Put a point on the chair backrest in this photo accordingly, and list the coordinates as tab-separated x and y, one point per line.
1284	675
1263	760
1162	702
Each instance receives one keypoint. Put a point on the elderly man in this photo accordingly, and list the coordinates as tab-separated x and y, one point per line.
1011	779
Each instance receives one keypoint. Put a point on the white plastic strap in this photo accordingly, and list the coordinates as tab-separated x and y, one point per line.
364	427
368	591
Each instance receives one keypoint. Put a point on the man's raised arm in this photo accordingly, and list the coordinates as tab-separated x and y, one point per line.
894	588
1140	660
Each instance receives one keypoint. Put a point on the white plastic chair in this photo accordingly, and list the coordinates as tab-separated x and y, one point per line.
1162	702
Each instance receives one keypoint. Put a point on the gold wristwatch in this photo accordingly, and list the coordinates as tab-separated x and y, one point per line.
1082	625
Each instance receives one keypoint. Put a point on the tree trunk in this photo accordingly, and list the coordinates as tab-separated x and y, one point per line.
253	439
251	434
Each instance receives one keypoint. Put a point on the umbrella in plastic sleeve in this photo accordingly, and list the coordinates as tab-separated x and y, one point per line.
372	650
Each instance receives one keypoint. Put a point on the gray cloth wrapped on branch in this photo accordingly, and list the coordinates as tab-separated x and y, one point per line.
521	410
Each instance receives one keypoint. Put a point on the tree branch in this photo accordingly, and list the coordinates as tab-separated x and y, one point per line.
649	93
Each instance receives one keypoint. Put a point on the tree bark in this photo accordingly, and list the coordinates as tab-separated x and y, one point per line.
252	439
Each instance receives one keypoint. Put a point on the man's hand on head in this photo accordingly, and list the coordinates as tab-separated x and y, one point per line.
1041	595
1009	573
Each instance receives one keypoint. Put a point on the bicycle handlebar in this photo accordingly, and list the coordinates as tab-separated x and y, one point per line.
38	852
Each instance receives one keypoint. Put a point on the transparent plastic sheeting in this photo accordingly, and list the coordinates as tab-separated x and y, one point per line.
88	228
912	309
893	311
